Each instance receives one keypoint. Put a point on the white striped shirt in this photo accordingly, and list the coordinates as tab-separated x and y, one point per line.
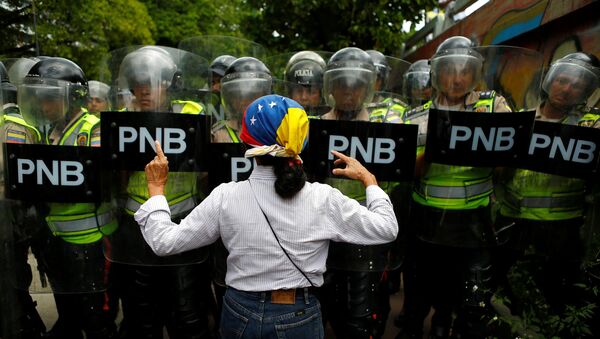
304	225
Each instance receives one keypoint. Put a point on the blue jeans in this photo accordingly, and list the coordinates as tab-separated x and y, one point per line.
252	315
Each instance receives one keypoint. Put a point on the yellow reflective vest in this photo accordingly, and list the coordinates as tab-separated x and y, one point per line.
81	223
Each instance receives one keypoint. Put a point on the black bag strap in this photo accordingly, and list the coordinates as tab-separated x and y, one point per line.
277	238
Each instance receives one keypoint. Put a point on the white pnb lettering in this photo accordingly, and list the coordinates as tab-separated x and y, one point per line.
240	165
377	150
172	140
498	138
62	173
580	151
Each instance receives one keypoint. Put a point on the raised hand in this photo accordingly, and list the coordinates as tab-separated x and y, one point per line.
353	169
157	172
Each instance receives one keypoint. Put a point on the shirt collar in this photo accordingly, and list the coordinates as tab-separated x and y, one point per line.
261	172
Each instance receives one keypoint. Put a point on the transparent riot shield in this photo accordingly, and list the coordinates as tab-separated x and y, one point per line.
388	104
212	48
299	76
454	196
164	86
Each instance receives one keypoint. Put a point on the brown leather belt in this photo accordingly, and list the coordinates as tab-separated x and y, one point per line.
287	297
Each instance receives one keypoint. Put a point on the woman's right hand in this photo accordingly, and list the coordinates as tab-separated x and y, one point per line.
157	172
353	170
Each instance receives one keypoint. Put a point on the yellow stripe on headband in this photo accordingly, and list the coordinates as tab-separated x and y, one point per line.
293	130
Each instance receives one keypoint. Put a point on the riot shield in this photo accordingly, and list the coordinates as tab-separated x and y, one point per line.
211	47
169	82
299	76
454	196
388	104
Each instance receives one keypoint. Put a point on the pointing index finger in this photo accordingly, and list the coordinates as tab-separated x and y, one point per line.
159	151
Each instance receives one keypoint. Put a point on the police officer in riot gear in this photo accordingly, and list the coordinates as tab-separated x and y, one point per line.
348	84
304	81
246	79
453	261
386	106
417	85
159	292
548	210
53	95
355	295
99	100
18	313
217	69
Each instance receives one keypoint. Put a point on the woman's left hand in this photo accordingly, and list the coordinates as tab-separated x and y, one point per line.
157	172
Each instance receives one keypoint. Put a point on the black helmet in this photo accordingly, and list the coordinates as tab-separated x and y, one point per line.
63	70
306	55
305	72
381	66
9	91
416	81
220	64
579	69
349	68
57	84
244	81
454	55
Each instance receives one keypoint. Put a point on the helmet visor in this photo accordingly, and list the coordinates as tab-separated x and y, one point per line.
238	90
348	88
43	101
568	84
455	75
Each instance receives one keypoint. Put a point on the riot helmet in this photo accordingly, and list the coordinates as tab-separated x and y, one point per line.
217	69
304	81
8	91
349	80
306	55
455	68
417	84
245	80
52	92
571	80
148	73
382	68
99	96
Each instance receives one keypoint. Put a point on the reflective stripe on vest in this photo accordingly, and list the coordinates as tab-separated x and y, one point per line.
573	201
84	125
454	192
234	137
177	208
82	224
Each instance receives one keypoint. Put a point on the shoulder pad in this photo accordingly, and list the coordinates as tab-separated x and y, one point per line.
591	110
380	104
415	110
486	95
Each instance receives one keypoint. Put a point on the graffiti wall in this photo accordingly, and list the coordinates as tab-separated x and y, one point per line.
553	27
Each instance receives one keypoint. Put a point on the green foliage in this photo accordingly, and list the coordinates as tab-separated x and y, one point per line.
331	25
85	30
179	19
537	320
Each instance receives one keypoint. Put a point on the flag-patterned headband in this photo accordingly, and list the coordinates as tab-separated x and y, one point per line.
275	125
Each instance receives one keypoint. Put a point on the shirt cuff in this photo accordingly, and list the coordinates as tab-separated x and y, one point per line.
155	203
375	192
